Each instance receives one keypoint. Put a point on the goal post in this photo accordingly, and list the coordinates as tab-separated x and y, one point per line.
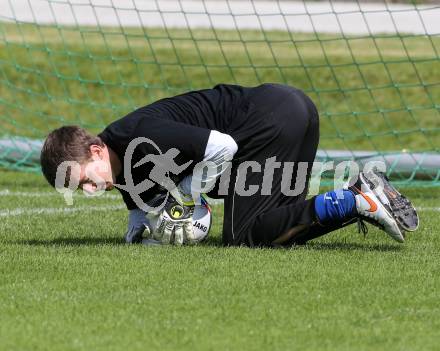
372	68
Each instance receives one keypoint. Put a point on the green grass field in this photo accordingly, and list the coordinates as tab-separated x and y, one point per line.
68	282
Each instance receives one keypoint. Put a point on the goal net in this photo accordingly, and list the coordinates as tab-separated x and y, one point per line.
372	68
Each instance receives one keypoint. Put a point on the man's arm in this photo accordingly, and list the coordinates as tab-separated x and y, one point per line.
137	224
220	149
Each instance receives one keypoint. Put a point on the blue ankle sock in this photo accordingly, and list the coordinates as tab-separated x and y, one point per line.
335	206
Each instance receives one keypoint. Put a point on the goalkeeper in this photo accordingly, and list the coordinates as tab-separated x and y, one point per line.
249	137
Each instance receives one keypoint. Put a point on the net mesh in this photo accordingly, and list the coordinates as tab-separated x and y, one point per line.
373	69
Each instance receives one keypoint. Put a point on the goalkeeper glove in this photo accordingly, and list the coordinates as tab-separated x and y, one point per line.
174	225
137	225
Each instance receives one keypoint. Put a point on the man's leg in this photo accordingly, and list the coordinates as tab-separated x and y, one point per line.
262	219
295	127
371	198
299	223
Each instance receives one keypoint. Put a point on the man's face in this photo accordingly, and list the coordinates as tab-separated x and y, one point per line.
96	174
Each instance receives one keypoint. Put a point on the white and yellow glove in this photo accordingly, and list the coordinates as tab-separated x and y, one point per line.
175	225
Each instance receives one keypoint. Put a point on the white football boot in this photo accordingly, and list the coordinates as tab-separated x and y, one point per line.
398	205
374	208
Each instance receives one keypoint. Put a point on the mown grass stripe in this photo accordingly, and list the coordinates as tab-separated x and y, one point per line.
7	192
51	211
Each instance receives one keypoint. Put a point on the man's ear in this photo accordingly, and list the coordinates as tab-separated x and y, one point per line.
97	152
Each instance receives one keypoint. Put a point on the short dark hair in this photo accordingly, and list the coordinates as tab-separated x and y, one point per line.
68	143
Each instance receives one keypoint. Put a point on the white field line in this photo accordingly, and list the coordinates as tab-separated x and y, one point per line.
428	209
20	211
51	211
7	192
68	211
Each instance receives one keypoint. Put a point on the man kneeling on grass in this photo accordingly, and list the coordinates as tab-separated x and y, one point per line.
244	145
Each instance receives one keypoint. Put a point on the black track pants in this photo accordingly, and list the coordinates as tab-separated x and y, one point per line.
285	130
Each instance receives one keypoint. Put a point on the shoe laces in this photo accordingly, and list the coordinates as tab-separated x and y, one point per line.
362	227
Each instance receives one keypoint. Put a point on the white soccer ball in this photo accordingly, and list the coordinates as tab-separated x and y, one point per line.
202	220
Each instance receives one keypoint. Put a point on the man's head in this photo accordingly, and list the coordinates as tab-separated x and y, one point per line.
72	143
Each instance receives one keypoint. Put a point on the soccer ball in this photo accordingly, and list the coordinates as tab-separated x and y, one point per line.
202	220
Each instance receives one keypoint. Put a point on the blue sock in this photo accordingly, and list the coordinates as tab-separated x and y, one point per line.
335	206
